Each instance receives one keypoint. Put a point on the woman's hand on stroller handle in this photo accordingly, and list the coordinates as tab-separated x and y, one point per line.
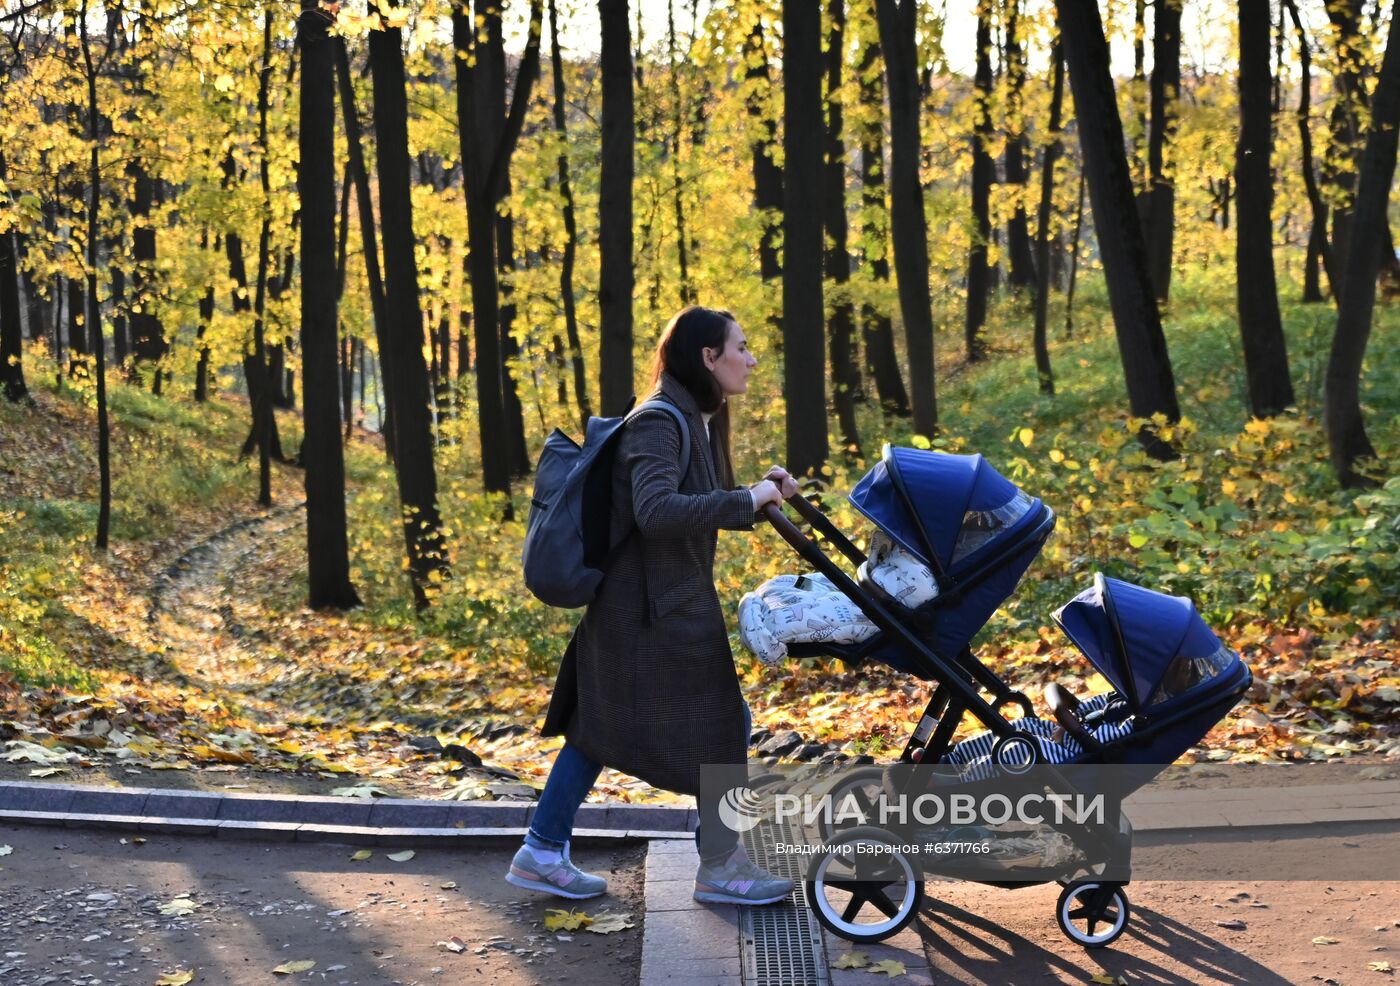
765	492
787	486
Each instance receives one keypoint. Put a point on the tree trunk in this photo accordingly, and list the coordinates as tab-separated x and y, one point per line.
1346	429
1345	17
502	145
844	377
147	341
804	363
1018	237
566	270
688	296
1139	104
322	455
1142	347
56	346
897	19
283	390
510	347
445	391
487	143
1044	373
206	314
78	343
11	331
94	314
264	421
364	201
767	176
120	346
1261	325
1160	227
413	433
983	174
876	326
242	304
34	303
1319	250
615	280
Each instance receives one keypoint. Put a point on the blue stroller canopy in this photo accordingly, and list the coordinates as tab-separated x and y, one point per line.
940	507
1151	647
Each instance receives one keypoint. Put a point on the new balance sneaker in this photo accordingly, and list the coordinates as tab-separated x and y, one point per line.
559	877
739	881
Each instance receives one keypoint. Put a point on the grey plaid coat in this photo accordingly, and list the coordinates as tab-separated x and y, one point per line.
647	685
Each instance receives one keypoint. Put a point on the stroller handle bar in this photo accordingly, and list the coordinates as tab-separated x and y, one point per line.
947	673
822	523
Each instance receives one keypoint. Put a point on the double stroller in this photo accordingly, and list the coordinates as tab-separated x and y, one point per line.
1172	678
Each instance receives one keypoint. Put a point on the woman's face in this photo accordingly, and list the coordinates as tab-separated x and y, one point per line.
733	364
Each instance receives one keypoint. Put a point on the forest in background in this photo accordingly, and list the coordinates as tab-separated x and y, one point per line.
1136	312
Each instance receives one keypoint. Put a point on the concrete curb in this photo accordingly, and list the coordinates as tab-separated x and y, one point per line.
292	818
403	821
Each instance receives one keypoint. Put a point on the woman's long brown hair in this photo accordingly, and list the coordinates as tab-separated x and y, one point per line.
680	352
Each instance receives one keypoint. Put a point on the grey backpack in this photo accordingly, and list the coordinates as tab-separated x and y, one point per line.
567	534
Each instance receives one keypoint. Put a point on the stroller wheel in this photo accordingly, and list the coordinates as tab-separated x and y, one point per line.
863	888
856	797
1092	914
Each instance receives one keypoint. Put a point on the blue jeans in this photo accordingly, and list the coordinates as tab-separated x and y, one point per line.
573	776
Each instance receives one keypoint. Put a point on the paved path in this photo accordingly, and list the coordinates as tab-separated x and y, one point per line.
82	908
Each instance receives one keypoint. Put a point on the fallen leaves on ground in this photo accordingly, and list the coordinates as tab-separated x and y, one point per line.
1325	940
362	855
454	944
401	857
197	652
608	922
360	791
889	967
1379	967
292	968
180	977
556	919
180	907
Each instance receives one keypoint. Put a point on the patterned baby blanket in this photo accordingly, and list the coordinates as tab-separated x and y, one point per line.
791	609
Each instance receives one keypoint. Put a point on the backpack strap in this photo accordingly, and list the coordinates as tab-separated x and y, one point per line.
679	417
676	413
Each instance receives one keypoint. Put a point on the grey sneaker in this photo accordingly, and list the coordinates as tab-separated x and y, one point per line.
563	879
739	881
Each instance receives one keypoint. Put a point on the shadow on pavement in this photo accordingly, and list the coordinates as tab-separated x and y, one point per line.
977	949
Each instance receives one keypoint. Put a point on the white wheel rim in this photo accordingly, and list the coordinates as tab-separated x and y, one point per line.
833	910
1072	900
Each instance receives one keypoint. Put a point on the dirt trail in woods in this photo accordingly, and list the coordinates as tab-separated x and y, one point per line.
209	631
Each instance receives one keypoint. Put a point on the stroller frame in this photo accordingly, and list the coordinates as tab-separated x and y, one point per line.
960	680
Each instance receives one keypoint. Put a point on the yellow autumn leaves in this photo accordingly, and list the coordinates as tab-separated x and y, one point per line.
602	923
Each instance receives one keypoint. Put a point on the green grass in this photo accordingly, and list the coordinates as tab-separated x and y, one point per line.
175	475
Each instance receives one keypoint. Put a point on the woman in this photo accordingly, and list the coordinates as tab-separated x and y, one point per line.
647	685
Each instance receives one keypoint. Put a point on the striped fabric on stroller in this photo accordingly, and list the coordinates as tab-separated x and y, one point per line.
1107	717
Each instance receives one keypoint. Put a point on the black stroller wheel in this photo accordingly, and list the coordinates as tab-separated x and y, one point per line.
1092	914
865	889
855	799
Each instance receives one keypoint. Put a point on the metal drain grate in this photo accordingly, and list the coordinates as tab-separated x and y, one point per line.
782	942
